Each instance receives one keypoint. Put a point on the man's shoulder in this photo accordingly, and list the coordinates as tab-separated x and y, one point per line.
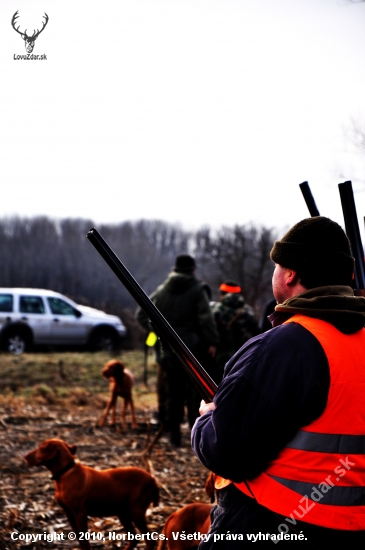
218	307
285	348
282	340
161	287
286	332
202	284
182	284
202	287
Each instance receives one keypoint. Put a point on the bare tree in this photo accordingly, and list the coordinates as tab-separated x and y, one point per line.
355	134
44	253
241	253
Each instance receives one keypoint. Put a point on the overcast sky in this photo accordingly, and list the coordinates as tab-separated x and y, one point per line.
203	112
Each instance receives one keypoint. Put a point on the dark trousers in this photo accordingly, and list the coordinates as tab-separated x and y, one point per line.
178	391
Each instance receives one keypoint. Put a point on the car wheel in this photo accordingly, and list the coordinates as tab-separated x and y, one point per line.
15	343
104	339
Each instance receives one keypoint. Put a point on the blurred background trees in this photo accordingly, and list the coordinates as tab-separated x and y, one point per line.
43	253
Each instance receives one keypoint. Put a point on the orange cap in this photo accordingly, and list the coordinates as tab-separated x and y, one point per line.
229	288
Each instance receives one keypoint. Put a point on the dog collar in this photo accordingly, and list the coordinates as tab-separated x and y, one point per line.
57	475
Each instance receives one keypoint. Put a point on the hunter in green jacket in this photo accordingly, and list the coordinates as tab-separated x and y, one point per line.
184	301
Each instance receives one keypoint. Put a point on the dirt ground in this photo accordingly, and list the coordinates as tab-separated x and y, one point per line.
27	502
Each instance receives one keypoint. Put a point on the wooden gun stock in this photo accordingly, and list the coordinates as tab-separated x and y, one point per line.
204	383
353	232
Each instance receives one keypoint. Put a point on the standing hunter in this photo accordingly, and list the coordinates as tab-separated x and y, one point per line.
184	301
236	322
286	432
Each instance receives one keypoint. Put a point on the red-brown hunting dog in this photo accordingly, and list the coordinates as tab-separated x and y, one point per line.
120	385
192	518
83	491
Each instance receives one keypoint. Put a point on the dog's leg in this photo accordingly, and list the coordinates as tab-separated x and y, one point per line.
71	518
129	527
102	420
81	521
114	409
113	403
139	519
104	417
123	414
131	404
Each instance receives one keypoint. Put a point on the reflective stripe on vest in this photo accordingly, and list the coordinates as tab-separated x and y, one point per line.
319	477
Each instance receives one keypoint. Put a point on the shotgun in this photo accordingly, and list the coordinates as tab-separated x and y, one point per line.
351	225
353	231
308	197
204	383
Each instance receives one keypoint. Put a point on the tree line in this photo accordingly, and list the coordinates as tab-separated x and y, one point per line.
41	252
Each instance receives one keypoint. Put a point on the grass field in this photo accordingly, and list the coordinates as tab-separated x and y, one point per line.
65	375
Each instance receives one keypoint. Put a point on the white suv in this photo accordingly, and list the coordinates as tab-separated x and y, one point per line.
31	317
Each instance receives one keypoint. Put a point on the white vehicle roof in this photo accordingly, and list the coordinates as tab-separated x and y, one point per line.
34	292
87	310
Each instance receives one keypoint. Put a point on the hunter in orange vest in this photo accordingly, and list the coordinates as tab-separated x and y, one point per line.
286	432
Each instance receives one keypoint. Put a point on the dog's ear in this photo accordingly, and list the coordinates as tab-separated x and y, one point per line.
72	449
119	368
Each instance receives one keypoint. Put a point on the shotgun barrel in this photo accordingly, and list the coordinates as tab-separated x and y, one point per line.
204	383
308	197
353	231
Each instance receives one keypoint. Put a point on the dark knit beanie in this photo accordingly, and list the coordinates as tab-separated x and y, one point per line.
319	250
184	263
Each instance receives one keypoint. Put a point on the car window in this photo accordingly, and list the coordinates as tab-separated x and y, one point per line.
59	307
31	304
6	302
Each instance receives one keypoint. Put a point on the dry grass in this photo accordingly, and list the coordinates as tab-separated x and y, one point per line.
62	395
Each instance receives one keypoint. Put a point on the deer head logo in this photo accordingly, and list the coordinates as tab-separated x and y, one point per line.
28	40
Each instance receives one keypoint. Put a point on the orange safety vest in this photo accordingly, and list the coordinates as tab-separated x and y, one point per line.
319	477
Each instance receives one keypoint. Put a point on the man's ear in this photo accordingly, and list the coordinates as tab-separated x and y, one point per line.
292	277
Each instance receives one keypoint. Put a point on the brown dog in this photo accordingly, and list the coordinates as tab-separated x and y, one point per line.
120	384
83	491
193	518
